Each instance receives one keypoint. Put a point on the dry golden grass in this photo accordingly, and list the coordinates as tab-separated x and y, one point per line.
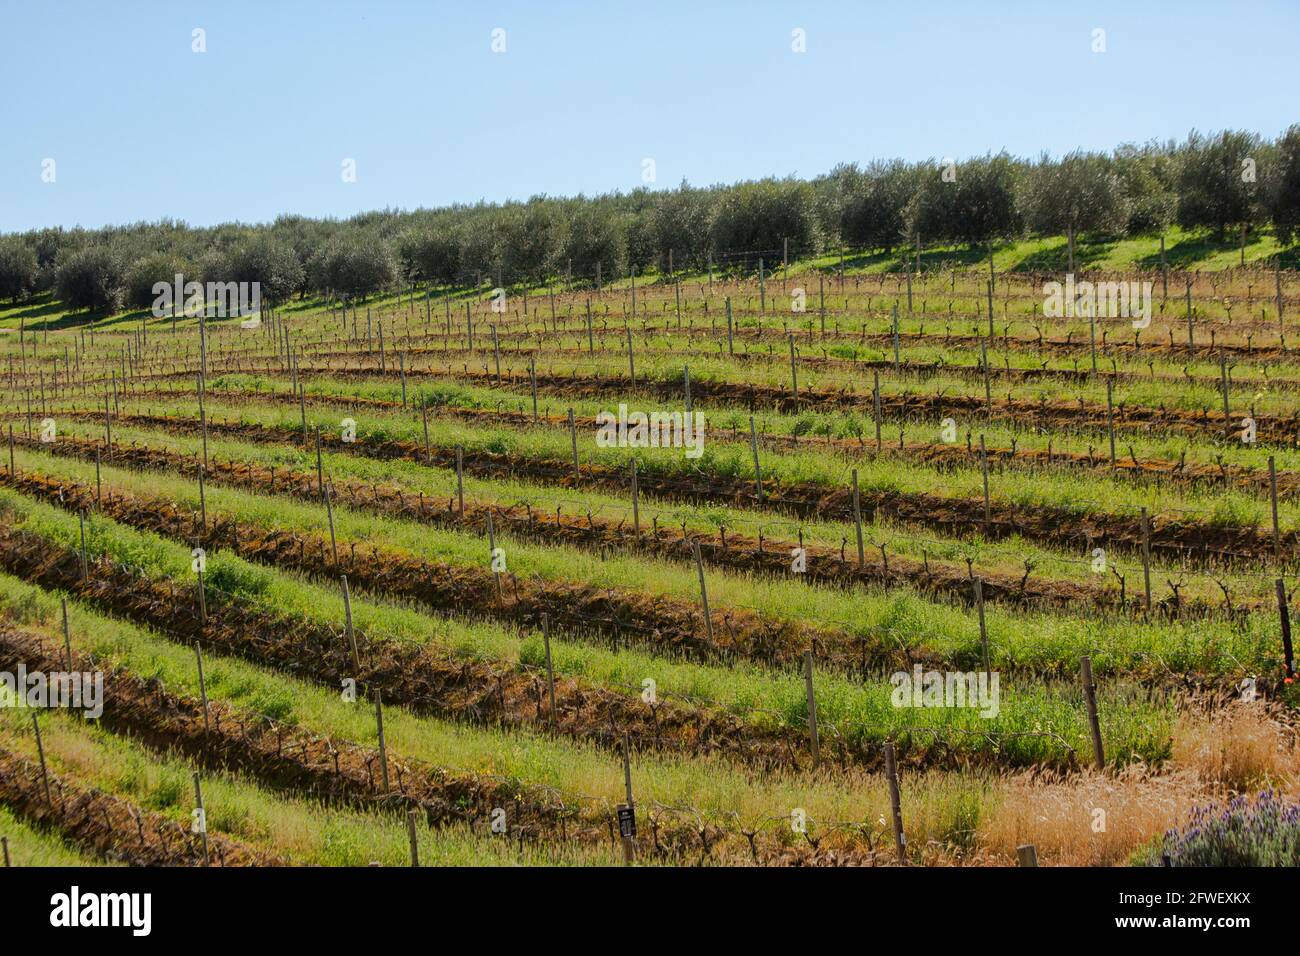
1094	819
1089	819
1241	747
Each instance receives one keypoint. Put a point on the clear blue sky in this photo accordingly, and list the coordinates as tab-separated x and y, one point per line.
140	127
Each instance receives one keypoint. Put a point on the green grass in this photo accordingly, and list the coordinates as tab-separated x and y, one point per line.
862	713
33	847
303	831
896	618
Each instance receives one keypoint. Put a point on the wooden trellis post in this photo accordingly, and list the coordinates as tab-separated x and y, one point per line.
411	817
202	817
704	591
984	471
573	441
636	503
40	754
627	812
875	405
347	623
329	516
1146	556
383	743
550	670
1090	698
1284	616
814	740
460	480
978	585
1272	492
1110	419
794	374
67	633
857	521
895	803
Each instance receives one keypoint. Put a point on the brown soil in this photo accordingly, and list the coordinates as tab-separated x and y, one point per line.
111	827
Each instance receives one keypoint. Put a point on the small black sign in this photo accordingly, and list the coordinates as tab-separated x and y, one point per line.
626	821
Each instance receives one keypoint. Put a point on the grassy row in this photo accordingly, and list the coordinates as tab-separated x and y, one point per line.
896	618
439	486
303	831
1072	491
1136	724
32	847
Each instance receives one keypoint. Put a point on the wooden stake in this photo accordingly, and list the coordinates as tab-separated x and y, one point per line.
731	345
894	325
1146	556
320	467
40	753
895	804
203	504
1027	855
704	591
1272	493
411	816
573	441
532	375
85	558
988	387
636	502
629	844
203	817
631	359
424	415
990	293
67	633
383	744
875	404
857	520
978	585
753	447
1110	418
814	740
550	670
492	549
347	622
794	374
203	600
1277	278
1284	615
1223	385
203	686
1090	697
460	480
984	470
329	515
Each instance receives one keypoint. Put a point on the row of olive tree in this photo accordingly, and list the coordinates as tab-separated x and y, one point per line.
1228	182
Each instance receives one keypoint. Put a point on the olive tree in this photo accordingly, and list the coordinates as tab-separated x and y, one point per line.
1081	193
